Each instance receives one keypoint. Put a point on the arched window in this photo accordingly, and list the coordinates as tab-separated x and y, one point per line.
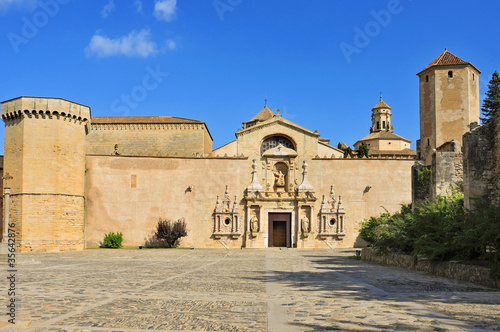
427	78
274	141
383	124
450	74
378	125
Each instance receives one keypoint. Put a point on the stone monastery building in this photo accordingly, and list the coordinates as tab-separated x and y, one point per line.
77	177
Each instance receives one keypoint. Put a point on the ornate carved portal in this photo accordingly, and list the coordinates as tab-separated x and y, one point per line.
226	218
332	217
276	189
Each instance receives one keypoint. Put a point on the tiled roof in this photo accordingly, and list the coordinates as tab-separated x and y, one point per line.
263	115
382	104
447	59
383	135
140	119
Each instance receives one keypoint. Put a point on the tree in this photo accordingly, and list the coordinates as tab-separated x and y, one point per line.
492	101
363	150
169	232
347	149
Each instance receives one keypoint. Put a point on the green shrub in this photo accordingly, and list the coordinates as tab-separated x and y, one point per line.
112	240
367	231
436	226
392	235
482	232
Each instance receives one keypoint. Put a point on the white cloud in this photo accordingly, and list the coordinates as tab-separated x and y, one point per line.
169	45
165	10
138	6
108	8
22	4
136	44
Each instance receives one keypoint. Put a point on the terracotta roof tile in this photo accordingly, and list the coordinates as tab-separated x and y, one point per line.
383	135
263	115
446	59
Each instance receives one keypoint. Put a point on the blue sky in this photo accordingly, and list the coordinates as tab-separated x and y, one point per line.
323	63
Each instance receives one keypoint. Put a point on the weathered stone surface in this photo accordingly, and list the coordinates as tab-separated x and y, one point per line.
114	204
239	290
482	163
447	170
470	273
148	136
449	102
45	154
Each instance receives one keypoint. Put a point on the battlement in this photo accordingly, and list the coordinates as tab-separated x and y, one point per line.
44	107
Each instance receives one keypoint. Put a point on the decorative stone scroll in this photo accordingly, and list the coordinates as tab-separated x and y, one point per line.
332	217
226	218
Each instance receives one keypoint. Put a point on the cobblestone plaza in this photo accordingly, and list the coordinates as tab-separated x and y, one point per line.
238	290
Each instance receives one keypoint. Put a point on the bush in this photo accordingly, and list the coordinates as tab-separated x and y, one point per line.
112	240
436	226
482	232
367	231
168	233
442	230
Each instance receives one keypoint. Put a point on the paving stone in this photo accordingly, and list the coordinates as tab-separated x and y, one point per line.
238	290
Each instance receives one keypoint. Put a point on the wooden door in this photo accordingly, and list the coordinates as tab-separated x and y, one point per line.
279	229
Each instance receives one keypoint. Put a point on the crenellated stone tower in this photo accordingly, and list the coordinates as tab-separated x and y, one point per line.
449	102
45	154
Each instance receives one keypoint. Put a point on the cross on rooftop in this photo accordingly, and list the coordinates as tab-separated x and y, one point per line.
7	177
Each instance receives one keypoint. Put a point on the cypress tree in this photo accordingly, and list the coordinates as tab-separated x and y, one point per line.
492	101
363	150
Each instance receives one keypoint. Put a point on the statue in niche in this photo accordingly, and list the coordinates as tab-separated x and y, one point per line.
279	178
254	224
305	224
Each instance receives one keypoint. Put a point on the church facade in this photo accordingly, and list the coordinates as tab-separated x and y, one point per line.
77	177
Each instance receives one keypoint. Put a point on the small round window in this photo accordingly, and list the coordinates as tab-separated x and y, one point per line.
227	221
274	141
332	222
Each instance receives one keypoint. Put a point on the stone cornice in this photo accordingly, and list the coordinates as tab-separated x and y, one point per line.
43	115
147	126
33	107
276	121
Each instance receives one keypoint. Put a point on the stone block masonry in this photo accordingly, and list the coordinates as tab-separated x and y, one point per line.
482	163
447	169
155	136
470	273
45	153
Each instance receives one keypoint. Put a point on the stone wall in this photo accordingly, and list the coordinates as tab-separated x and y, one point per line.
45	154
1	195
482	163
129	195
447	169
148	136
470	273
448	105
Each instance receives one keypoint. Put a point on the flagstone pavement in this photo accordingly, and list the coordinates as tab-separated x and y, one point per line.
236	290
